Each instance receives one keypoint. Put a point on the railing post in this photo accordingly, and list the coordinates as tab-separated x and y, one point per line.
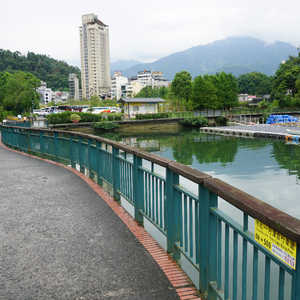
56	146
80	154
208	241
138	189
177	218
18	139
116	172
99	163
171	203
71	147
89	158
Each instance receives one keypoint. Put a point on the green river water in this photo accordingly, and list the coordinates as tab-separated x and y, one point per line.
268	170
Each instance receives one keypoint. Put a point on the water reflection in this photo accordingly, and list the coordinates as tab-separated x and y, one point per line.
268	170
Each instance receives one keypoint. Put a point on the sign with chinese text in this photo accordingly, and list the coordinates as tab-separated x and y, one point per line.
276	243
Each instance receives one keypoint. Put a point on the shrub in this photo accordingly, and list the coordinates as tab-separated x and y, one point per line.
89	117
222	120
60	118
194	122
114	117
263	118
75	117
106	126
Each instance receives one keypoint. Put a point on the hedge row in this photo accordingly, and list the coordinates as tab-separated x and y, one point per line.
152	116
64	117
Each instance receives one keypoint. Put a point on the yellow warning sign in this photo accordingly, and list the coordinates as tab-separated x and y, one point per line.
281	246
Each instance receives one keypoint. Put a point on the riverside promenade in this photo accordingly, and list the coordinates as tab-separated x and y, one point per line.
63	237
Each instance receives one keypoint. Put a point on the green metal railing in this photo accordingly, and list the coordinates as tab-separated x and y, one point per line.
17	123
231	256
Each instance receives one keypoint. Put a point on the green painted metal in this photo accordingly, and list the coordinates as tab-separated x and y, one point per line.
194	226
138	189
116	172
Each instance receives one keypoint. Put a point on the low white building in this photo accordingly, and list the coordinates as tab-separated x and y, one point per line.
134	106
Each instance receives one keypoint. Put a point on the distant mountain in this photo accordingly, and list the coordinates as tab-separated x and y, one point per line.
123	64
236	55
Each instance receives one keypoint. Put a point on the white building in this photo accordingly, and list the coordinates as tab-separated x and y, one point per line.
136	83
95	57
145	77
131	89
153	79
46	93
158	80
47	96
117	81
74	86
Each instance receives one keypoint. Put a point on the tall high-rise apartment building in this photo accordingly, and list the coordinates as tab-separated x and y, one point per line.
74	86
95	58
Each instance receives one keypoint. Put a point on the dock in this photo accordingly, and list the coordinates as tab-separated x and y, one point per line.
260	131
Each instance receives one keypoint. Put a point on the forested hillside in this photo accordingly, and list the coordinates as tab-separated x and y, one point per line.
54	72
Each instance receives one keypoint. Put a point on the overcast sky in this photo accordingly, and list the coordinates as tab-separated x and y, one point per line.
143	30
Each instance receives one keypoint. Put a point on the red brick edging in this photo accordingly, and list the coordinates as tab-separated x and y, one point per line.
180	281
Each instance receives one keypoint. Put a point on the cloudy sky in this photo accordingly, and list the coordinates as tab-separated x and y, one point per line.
144	30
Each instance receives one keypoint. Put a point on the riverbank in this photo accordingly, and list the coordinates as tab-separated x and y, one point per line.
131	126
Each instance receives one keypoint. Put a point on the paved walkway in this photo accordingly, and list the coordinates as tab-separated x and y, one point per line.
63	237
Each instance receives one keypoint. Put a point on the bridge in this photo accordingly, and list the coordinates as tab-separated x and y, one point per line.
234	259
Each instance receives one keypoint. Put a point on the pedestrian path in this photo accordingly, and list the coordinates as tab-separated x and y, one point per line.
63	237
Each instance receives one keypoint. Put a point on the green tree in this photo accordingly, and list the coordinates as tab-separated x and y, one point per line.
4	76
255	83
147	92
181	86
286	82
155	92
204	93
108	102
95	101
230	90
20	91
163	92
